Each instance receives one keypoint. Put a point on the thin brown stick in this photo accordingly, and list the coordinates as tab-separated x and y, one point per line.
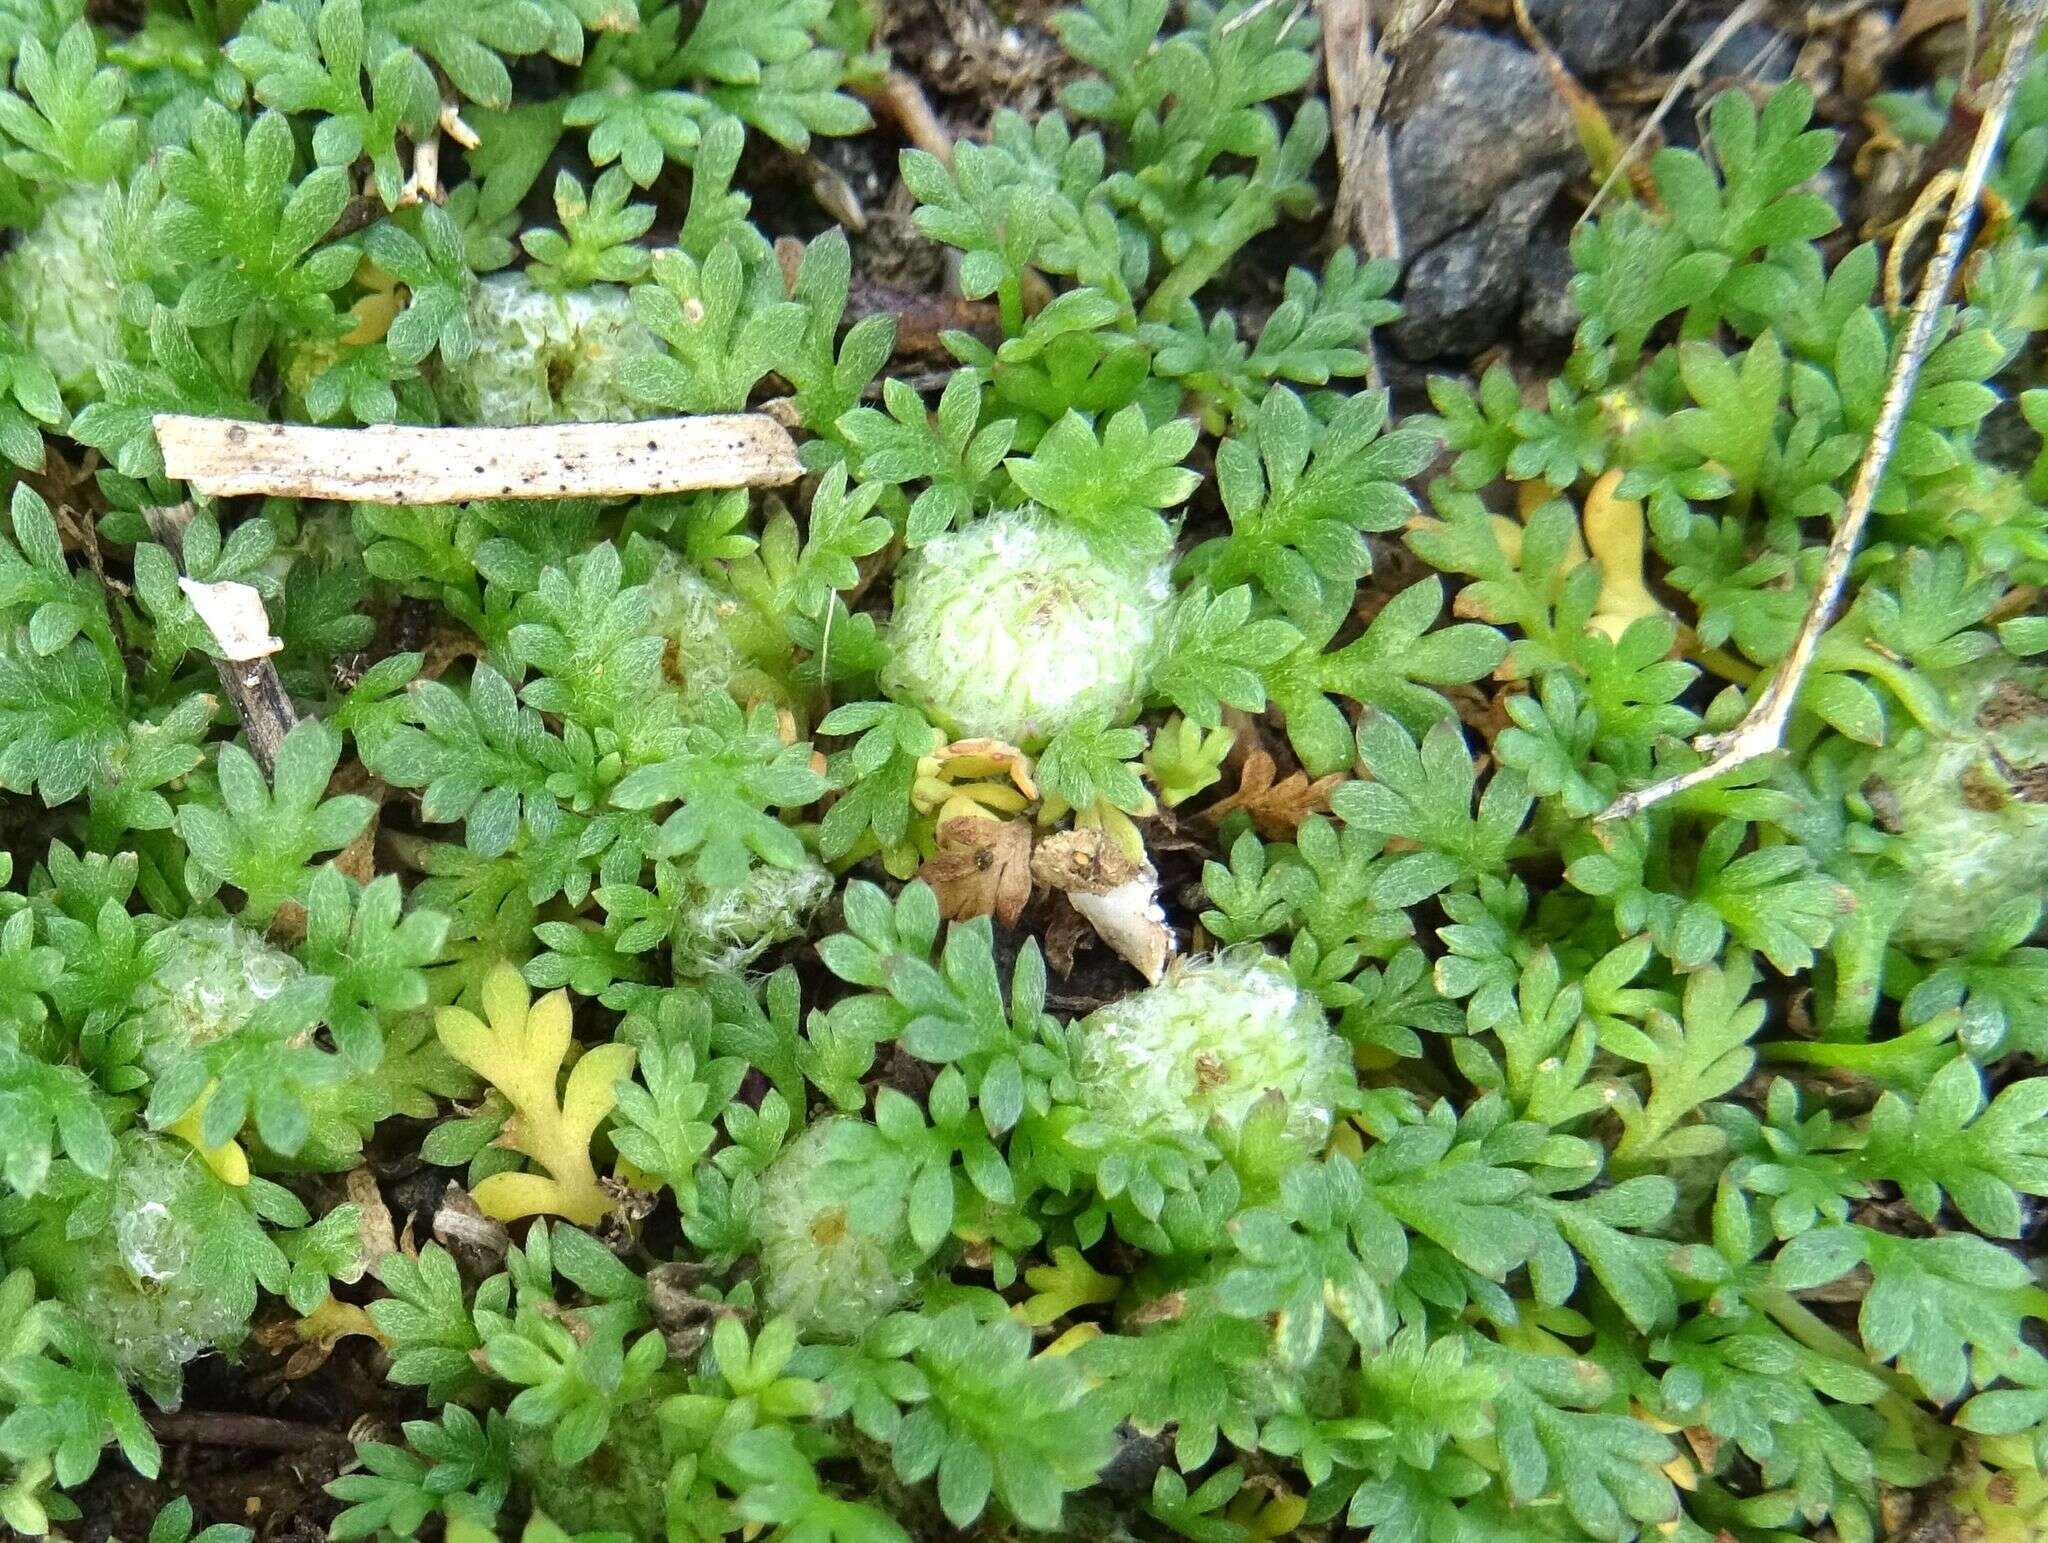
255	1432
1356	70
401	464
1656	34
902	97
1250	13
1762	729
252	685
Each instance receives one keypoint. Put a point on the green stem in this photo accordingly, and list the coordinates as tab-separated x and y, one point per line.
1250	214
1906	1061
1858	954
1901	1406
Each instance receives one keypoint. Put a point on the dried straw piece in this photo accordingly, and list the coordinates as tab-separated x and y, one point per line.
399	464
1762	729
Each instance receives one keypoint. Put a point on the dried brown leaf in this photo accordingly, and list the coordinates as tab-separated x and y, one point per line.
1087	862
375	1231
310	1340
981	868
1278	807
446	648
1920	17
474	1238
359	858
1065	930
1867	45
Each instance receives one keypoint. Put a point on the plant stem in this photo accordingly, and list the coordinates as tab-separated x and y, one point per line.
1902	1061
1900	1406
1250	214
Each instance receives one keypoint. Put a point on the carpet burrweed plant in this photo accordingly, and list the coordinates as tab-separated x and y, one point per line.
681	876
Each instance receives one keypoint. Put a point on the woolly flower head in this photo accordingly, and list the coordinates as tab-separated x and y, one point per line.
548	357
213	975
138	1279
836	1266
1206	1044
695	619
63	296
719	931
1970	807
1014	629
617	1491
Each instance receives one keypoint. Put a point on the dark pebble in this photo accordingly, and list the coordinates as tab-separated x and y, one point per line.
1473	116
1548	316
1595	37
1461	292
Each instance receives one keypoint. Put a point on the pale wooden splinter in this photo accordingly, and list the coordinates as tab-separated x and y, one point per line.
398	464
1762	729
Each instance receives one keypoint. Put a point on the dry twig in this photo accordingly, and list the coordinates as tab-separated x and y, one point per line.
251	681
398	464
1358	68
1655	35
253	1432
902	98
1762	729
1356	71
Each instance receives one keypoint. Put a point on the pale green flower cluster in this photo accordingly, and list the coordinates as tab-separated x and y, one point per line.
1014	629
1207	1044
214	974
544	356
722	930
62	295
696	620
834	1266
1970	806
138	1279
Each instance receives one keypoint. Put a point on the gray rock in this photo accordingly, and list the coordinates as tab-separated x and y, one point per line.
1138	1459
1595	37
1473	115
2006	440
1549	319
1460	292
1756	52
